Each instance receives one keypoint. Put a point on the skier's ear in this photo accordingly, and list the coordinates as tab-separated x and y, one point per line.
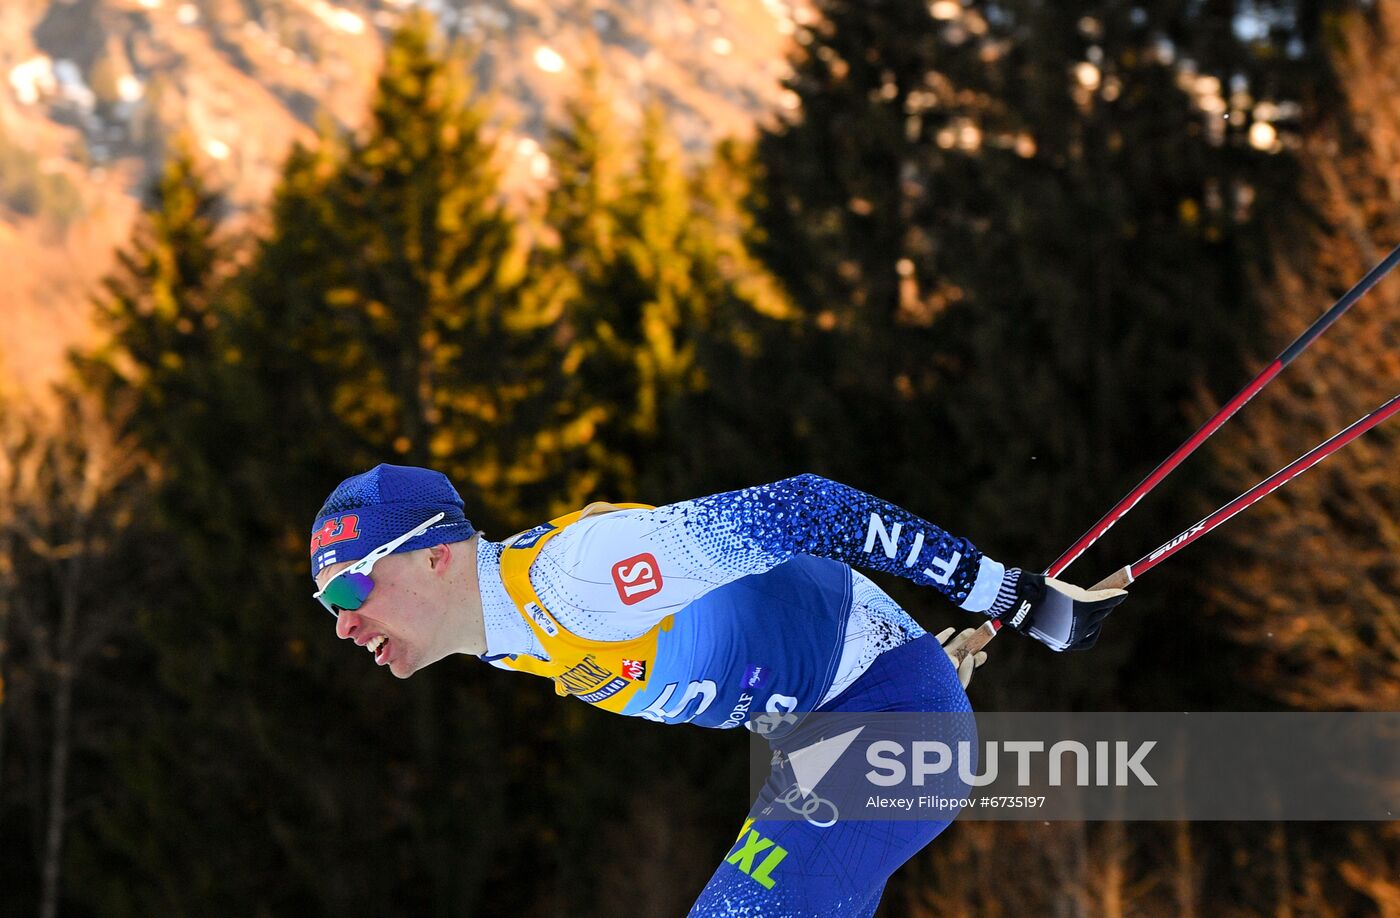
440	557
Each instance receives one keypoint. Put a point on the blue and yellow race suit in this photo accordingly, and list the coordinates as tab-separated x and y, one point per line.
711	610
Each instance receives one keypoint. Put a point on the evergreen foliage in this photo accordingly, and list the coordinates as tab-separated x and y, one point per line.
409	271
1042	235
1001	259
658	297
1306	584
1313	585
1017	240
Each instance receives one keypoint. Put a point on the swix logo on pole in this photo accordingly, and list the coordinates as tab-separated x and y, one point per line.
637	577
1176	541
335	530
939	569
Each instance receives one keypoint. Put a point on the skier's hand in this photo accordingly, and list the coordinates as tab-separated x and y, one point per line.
970	662
1060	615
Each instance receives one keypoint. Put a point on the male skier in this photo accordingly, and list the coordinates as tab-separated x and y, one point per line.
705	611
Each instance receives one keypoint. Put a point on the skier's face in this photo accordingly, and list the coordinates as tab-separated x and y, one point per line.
405	609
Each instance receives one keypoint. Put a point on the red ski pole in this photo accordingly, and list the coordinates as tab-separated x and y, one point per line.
1226	411
1121	578
989	629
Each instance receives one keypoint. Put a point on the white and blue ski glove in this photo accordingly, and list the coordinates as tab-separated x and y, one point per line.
1060	615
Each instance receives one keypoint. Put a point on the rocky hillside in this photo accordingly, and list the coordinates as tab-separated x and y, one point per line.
92	88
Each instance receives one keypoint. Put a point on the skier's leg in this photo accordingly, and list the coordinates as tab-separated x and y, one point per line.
825	866
793	869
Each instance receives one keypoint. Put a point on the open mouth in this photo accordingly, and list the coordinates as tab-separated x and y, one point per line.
379	647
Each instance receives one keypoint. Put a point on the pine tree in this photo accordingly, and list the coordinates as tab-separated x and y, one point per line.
172	356
367	326
387	301
1017	243
665	311
1314	583
427	259
614	264
665	323
670	314
166	348
594	389
734	423
1020	236
158	306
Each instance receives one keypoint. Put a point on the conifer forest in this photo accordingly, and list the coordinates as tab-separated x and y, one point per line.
990	261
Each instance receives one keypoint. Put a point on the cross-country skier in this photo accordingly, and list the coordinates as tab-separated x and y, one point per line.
705	611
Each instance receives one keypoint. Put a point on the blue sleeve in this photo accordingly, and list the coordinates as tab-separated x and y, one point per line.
812	515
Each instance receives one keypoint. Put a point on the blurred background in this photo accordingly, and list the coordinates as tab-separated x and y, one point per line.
990	261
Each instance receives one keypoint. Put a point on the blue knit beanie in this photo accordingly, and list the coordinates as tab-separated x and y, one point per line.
375	507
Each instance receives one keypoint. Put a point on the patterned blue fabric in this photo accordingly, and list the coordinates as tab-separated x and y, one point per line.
785	868
811	515
769	642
